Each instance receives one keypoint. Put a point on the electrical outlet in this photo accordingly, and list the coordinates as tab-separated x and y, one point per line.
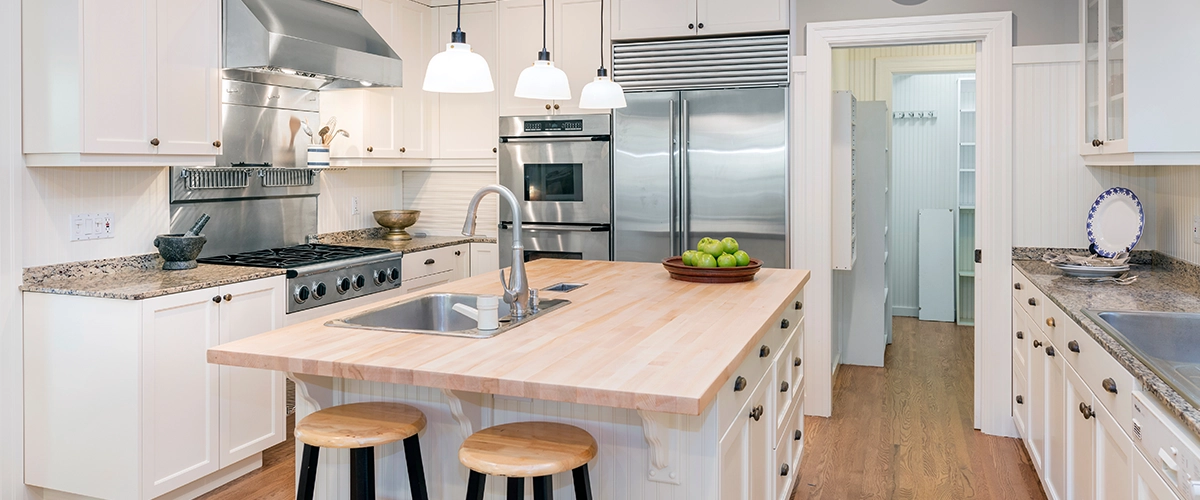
92	226
1196	229
354	210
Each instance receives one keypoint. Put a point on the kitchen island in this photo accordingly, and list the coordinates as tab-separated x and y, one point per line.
692	391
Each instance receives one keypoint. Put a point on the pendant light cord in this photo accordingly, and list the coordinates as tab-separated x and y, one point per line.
460	15
601	34
543	25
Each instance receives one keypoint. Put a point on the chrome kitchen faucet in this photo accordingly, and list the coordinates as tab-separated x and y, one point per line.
516	287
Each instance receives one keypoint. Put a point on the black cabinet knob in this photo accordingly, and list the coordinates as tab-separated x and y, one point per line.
1097	143
739	384
217	299
1020	335
1020	400
1049	350
154	141
691	26
701	26
1073	346
1017	286
784	324
1086	410
799	305
783	471
784	387
1109	385
764	351
796	436
756	413
797	361
458	253
1032	301
1037	343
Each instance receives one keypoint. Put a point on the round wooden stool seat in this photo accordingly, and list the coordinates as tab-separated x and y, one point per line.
527	449
360	425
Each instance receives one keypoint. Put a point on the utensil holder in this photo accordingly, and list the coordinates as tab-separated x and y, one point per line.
318	156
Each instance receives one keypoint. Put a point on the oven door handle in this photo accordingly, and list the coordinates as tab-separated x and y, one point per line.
601	228
575	138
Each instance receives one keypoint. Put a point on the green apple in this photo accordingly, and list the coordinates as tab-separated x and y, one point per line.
689	257
730	245
743	258
706	260
726	260
711	247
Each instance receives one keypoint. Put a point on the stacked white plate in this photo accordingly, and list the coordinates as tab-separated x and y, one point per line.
1091	271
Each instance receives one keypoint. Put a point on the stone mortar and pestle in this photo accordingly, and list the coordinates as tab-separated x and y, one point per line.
179	251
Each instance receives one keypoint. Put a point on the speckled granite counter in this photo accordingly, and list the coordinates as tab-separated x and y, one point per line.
1168	285
373	238
135	277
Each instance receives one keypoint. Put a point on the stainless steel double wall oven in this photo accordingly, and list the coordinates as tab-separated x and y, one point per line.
560	168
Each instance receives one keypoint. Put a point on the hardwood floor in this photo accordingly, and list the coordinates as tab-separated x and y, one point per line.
905	431
274	481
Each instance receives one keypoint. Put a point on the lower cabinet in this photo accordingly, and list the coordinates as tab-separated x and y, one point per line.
485	258
1147	484
1080	437
121	402
436	267
747	451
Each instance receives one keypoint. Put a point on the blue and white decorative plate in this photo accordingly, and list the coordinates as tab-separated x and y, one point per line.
1115	222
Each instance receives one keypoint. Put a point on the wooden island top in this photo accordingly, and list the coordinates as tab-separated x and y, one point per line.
632	338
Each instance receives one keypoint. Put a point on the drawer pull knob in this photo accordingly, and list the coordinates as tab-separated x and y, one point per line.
547	106
739	384
1020	400
1050	322
1109	385
403	149
1017	286
429	262
228	297
764	351
458	253
1049	350
216	144
799	305
784	324
796	436
797	361
1073	346
1032	301
691	26
783	471
154	141
370	149
1097	143
1037	343
1086	410
1020	335
217	299
756	413
784	387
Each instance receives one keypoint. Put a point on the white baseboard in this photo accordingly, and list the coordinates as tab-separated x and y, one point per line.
905	311
187	492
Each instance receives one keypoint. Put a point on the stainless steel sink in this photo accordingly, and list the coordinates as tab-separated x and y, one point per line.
433	314
1166	342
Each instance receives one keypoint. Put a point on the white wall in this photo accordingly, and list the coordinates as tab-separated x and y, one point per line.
375	188
924	172
11	402
854	68
1177	200
442	198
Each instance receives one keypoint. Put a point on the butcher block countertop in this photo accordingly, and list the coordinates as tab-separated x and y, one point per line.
632	338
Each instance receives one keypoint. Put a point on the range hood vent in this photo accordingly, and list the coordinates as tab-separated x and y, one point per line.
306	44
754	61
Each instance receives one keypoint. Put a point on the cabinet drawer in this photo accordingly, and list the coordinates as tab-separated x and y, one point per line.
783	469
1022	337
1020	408
793	437
1030	298
786	385
426	282
756	367
1101	372
418	264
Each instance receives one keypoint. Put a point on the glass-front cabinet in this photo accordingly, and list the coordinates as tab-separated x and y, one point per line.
1138	59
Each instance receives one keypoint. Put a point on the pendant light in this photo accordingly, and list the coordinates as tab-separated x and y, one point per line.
602	93
543	80
458	70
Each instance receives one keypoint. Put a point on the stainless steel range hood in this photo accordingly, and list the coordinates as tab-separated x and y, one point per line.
307	44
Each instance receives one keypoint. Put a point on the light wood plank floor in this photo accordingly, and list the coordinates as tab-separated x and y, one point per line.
905	430
274	481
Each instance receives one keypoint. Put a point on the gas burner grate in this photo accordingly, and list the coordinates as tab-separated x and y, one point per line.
292	257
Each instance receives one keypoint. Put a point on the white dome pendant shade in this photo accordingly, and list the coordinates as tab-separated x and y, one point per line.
458	70
543	81
602	93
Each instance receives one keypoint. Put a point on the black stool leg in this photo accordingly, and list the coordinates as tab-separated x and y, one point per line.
475	486
362	473
308	473
583	483
416	471
516	488
543	488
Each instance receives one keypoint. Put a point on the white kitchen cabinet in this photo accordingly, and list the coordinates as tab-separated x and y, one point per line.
468	124
430	268
392	122
485	258
1054	476
573	39
1147	484
1131	78
746	450
121	400
845	168
1080	438
1112	462
121	82
1036	442
634	19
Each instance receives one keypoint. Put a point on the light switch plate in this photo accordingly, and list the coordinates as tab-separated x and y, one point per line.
91	226
354	209
1196	229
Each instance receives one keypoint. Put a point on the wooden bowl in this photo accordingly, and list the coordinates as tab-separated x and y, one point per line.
682	272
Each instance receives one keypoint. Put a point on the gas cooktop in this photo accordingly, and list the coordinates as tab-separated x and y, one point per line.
292	257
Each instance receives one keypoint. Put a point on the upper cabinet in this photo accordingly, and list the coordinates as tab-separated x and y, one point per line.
468	126
639	19
573	39
121	82
1135	82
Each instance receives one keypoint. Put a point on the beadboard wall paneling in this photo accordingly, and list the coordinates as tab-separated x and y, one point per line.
137	197
924	172
1052	188
854	68
375	188
442	197
1178	200
12	166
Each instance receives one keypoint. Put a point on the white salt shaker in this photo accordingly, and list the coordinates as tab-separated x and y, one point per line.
487	315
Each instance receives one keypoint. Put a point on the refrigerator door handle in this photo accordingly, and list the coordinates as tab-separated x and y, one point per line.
673	219
685	199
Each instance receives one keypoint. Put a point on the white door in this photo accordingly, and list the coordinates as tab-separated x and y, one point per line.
119	76
468	123
1055	474
577	40
1147	484
462	262
485	258
1080	431
722	16
657	19
520	40
935	264
252	401
189	46
1114	468
1037	399
180	393
746	453
418	42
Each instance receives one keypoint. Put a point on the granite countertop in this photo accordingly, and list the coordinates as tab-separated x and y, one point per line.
1168	285
133	278
373	238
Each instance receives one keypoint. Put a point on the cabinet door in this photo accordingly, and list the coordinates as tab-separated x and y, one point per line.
189	45
1147	484
1037	400
577	40
180	395
120	102
1113	452
467	123
1055	469
382	109
1080	432
485	258
722	16
1093	116
462	262
658	19
252	401
1114	34
418	43
747	452
520	40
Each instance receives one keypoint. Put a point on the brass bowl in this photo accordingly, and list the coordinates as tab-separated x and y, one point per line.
396	221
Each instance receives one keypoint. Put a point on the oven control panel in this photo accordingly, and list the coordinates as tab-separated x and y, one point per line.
554	126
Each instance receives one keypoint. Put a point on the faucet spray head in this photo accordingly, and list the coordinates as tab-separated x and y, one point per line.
469	225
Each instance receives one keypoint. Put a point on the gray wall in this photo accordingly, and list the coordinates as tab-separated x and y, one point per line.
1037	22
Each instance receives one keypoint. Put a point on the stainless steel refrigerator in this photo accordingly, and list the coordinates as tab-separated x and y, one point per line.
690	164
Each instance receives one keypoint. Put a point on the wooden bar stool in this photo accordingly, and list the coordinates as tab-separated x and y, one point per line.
361	427
528	449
